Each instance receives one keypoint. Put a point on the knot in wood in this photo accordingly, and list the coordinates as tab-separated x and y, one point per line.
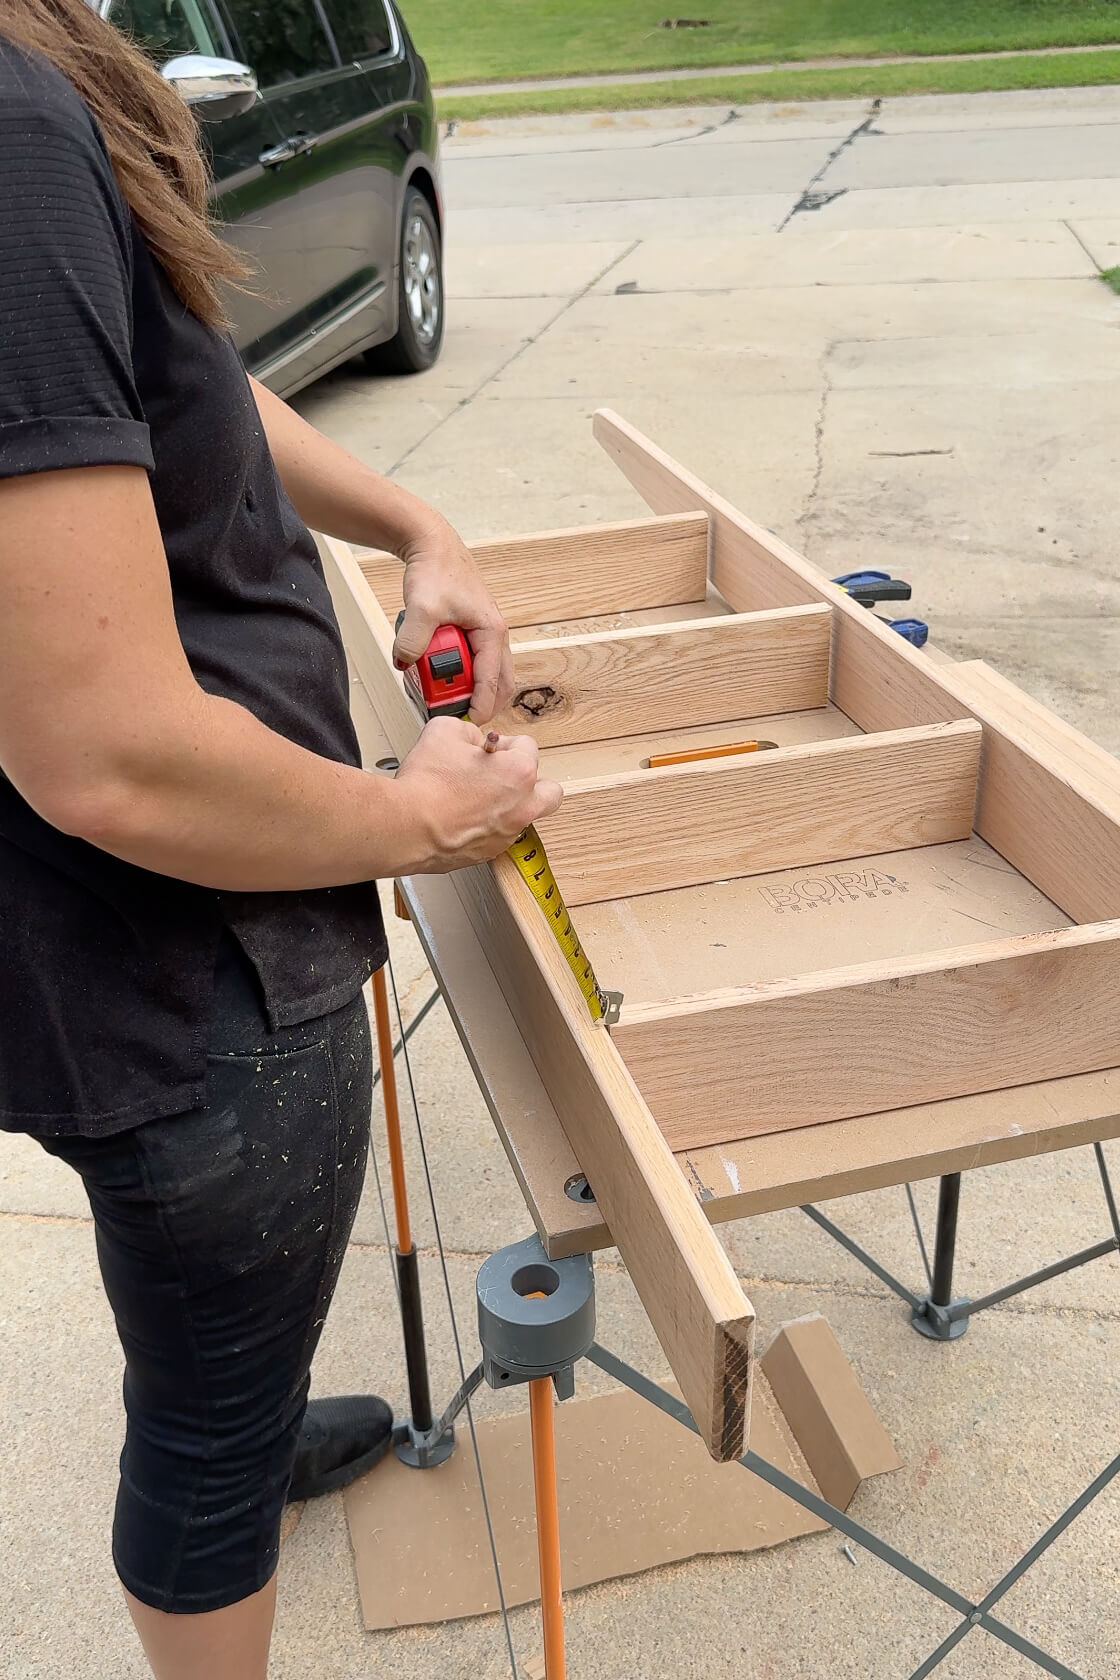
537	702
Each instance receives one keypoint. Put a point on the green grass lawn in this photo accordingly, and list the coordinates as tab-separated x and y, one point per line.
479	40
1042	70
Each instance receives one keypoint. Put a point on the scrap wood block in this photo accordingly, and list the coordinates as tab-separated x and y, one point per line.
836	1426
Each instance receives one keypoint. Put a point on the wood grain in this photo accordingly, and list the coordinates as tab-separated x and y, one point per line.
1022	711
647	831
591	569
368	636
694	1301
631	752
590	688
1046	807
693	1298
881	682
742	1177
878	1035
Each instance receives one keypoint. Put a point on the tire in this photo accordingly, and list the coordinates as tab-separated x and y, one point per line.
420	301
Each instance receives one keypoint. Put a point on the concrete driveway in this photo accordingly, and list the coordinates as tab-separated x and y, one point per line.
879	332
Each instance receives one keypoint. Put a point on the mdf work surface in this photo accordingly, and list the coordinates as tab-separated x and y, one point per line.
845	957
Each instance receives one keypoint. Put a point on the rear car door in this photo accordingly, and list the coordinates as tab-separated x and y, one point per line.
321	108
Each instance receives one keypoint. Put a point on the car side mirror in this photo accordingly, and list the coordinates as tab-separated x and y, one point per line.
214	88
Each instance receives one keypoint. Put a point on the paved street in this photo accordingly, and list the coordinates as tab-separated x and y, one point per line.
881	333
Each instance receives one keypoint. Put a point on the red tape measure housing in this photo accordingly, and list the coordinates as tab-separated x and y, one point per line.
442	680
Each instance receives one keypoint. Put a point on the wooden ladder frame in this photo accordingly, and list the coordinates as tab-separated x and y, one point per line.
943	751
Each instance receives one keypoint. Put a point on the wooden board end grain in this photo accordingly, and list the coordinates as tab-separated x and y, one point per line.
578	573
878	1035
647	831
669	676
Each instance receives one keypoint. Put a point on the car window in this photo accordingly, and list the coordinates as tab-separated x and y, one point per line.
361	28
164	28
280	39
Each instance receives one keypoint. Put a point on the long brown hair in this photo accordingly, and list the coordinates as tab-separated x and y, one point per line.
151	139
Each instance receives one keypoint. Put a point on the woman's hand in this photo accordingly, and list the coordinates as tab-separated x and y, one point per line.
334	492
442	585
472	801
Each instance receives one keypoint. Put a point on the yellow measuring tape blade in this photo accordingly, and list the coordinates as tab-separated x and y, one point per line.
528	854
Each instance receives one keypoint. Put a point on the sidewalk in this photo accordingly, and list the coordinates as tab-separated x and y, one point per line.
633	78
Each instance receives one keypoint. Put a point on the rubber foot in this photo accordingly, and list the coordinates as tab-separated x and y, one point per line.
419	1454
939	1329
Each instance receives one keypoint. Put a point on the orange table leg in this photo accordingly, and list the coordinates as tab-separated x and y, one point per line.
392	1110
548	1525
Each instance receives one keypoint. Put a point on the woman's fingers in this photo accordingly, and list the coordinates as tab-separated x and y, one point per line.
493	672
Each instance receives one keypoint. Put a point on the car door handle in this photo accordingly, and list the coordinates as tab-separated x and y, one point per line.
294	146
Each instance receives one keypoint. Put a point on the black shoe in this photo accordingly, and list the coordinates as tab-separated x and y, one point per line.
342	1437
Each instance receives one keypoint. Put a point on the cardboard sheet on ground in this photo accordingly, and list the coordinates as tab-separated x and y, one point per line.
636	1490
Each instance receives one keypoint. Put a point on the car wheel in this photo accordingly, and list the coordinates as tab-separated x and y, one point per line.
419	293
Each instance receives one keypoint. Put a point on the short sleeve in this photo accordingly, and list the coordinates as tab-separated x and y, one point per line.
68	397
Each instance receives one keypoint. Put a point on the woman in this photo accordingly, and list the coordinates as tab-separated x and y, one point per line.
187	846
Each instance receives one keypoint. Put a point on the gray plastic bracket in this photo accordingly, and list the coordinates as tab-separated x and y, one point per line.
536	1316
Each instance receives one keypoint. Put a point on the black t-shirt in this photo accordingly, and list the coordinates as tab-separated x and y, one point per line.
106	969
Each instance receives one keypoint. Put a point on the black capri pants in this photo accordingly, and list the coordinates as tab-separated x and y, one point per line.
220	1235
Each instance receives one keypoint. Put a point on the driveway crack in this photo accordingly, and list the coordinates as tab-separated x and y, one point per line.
699	133
818	448
811	199
525	344
1068	225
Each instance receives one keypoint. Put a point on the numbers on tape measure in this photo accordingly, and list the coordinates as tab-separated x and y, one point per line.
529	855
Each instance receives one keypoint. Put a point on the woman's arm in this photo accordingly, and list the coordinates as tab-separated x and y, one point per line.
106	733
333	491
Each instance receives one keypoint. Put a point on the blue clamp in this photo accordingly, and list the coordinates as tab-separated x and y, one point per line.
914	630
870	587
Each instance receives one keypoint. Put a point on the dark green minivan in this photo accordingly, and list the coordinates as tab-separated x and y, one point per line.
319	120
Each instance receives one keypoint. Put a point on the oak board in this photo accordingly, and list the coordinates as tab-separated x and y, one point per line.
591	569
671	676
651	830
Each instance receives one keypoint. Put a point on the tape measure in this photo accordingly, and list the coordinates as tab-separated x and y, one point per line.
527	851
529	855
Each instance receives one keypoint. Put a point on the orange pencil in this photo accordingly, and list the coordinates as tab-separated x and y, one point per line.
658	760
